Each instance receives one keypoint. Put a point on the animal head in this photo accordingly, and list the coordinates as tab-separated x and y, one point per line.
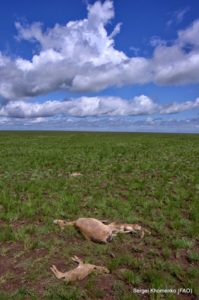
101	269
62	223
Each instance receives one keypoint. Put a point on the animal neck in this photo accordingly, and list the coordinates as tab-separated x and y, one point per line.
113	226
63	223
69	223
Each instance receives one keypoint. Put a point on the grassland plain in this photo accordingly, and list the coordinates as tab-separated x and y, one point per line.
151	179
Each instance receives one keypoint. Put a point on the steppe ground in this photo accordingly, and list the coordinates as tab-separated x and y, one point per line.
150	179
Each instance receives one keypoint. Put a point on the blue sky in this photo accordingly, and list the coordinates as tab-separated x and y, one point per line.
118	65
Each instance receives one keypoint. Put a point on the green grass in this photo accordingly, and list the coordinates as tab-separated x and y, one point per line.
193	256
151	179
182	243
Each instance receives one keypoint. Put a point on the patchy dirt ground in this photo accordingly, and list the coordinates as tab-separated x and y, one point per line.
18	266
149	179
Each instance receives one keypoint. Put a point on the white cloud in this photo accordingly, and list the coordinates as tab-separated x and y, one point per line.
81	107
81	56
174	66
91	107
104	123
190	35
179	107
178	63
169	125
178	16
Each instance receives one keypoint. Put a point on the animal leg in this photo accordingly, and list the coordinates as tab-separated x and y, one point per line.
143	231
109	238
116	231
86	236
114	234
147	231
77	260
57	273
138	229
127	231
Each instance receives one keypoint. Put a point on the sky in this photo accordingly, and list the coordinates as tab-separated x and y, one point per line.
113	65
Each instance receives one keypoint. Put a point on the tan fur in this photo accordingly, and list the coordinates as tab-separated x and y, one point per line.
96	230
75	174
79	273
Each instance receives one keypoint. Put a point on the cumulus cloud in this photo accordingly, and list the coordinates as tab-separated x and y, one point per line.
190	35
81	56
179	107
81	107
93	106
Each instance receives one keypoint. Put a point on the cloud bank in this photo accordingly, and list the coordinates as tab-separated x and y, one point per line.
93	106
81	56
112	123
